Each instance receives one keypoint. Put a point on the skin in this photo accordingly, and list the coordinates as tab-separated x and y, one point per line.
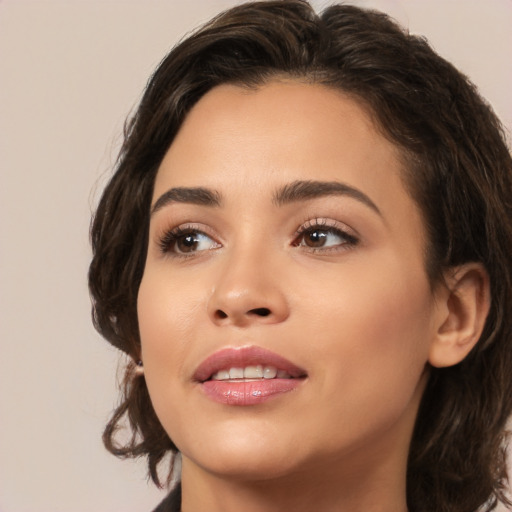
361	318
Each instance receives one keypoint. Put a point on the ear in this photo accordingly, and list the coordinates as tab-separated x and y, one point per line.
463	308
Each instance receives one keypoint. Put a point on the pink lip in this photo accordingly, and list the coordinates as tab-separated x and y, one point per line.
246	392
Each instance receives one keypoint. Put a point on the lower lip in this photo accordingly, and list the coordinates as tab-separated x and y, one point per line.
251	392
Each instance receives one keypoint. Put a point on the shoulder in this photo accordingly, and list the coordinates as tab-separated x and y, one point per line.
172	503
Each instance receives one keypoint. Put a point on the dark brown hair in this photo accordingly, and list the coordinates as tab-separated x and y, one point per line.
458	170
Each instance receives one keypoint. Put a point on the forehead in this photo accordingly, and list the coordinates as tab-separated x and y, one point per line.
280	132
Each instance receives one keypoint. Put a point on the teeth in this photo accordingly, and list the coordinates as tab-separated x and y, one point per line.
269	372
236	373
251	372
222	375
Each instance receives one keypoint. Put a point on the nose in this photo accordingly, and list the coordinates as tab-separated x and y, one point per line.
248	290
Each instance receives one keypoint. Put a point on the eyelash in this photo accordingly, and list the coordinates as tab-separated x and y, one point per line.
323	225
169	238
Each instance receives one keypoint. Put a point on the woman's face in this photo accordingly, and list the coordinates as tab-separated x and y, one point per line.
283	244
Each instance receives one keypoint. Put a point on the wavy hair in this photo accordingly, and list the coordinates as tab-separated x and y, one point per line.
458	170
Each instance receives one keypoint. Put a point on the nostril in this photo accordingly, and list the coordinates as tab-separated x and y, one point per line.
256	312
260	311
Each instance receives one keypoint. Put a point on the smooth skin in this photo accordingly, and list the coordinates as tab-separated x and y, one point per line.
340	278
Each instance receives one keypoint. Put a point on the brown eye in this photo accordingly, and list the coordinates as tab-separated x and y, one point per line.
187	243
191	242
324	238
316	238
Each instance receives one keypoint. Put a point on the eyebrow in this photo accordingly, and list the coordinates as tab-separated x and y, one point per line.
289	193
192	195
303	190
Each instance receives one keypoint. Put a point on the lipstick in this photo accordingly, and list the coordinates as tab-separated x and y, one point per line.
247	376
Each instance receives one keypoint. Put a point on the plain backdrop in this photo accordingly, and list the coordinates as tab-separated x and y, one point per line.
70	72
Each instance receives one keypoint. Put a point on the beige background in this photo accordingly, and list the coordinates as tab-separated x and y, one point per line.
70	71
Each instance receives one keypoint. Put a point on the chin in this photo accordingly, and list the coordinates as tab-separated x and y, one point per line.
242	468
249	456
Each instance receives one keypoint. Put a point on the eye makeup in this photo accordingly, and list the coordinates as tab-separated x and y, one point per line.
316	235
185	240
325	235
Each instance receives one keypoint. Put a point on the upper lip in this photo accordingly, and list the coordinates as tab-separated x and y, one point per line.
240	357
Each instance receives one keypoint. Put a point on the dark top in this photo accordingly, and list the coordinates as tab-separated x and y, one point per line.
172	503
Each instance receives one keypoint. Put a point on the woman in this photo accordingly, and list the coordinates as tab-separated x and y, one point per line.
305	253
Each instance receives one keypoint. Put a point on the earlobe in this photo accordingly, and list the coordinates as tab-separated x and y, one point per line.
466	302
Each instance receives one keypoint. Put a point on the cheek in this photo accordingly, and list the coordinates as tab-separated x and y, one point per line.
166	312
373	331
386	319
166	308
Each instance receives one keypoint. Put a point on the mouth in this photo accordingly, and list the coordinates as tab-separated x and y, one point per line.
250	373
247	376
